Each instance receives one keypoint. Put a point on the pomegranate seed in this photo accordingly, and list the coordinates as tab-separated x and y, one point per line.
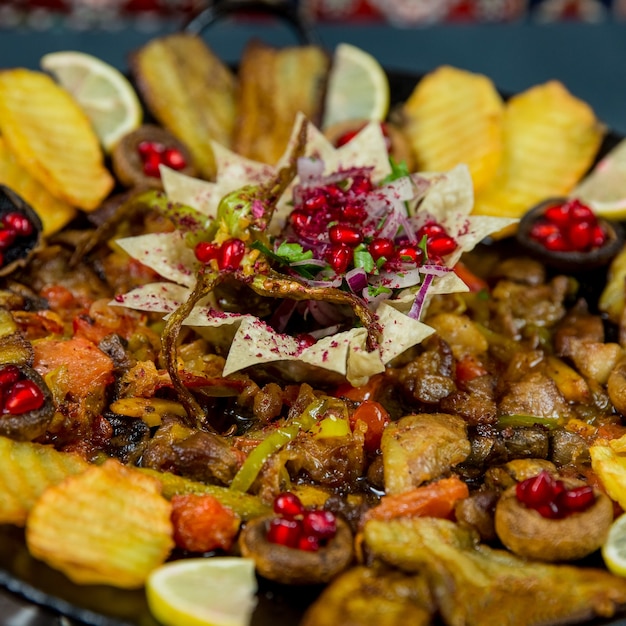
580	235
381	247
174	158
334	193
409	254
9	375
536	491
23	397
7	237
441	246
598	236
578	498
347	137
350	235
305	340
205	251
541	230
288	504
18	222
151	165
551	510
353	213
559	214
580	213
285	532
308	543
300	220
556	243
231	254
319	523
431	230
316	201
361	185
339	257
145	148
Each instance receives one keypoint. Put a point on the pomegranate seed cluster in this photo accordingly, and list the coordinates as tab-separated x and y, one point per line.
298	527
569	227
228	255
13	227
18	394
335	215
551	498
155	153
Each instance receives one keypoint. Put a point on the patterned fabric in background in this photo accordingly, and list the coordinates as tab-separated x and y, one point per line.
112	14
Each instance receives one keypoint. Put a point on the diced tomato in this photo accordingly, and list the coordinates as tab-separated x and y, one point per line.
475	283
375	417
58	297
87	366
202	523
468	368
433	500
360	394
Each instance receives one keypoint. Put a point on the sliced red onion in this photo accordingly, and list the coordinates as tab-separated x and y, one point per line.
356	279
313	261
420	297
281	316
310	169
398	280
325	332
435	270
325	313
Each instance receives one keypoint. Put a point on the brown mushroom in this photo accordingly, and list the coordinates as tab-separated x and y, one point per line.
527	533
399	147
290	565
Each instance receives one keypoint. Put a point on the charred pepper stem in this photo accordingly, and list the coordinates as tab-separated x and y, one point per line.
278	286
206	282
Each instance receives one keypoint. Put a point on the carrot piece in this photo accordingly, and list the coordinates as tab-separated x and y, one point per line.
475	283
436	499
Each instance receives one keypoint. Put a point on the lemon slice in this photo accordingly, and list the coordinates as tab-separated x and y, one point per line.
103	92
614	548
216	591
604	189
358	87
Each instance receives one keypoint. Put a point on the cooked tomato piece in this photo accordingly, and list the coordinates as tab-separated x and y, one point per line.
376	417
363	392
202	523
468	368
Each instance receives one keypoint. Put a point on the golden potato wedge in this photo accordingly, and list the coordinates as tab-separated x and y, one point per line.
54	213
454	116
550	140
189	91
52	138
26	471
108	525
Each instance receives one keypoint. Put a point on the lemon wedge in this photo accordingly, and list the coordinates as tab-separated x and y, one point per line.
604	189
614	548
215	591
358	87
105	95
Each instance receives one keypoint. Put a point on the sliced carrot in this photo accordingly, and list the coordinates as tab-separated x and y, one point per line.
436	499
474	282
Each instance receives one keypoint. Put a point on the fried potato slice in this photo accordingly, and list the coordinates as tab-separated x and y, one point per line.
276	85
550	140
54	213
190	91
26	471
108	525
454	116
52	138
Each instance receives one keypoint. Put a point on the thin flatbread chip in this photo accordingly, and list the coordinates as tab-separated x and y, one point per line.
52	138
452	117
26	471
189	91
54	213
551	138
108	525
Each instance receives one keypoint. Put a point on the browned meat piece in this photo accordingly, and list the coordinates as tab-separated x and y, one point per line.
372	596
477	513
578	324
517	306
474	584
537	395
276	85
420	448
475	404
523	270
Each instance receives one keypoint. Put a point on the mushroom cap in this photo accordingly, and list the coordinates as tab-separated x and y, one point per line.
290	565
527	533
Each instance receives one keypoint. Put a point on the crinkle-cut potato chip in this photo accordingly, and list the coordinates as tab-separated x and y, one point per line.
454	116
108	525
26	471
190	91
52	138
54	213
550	140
